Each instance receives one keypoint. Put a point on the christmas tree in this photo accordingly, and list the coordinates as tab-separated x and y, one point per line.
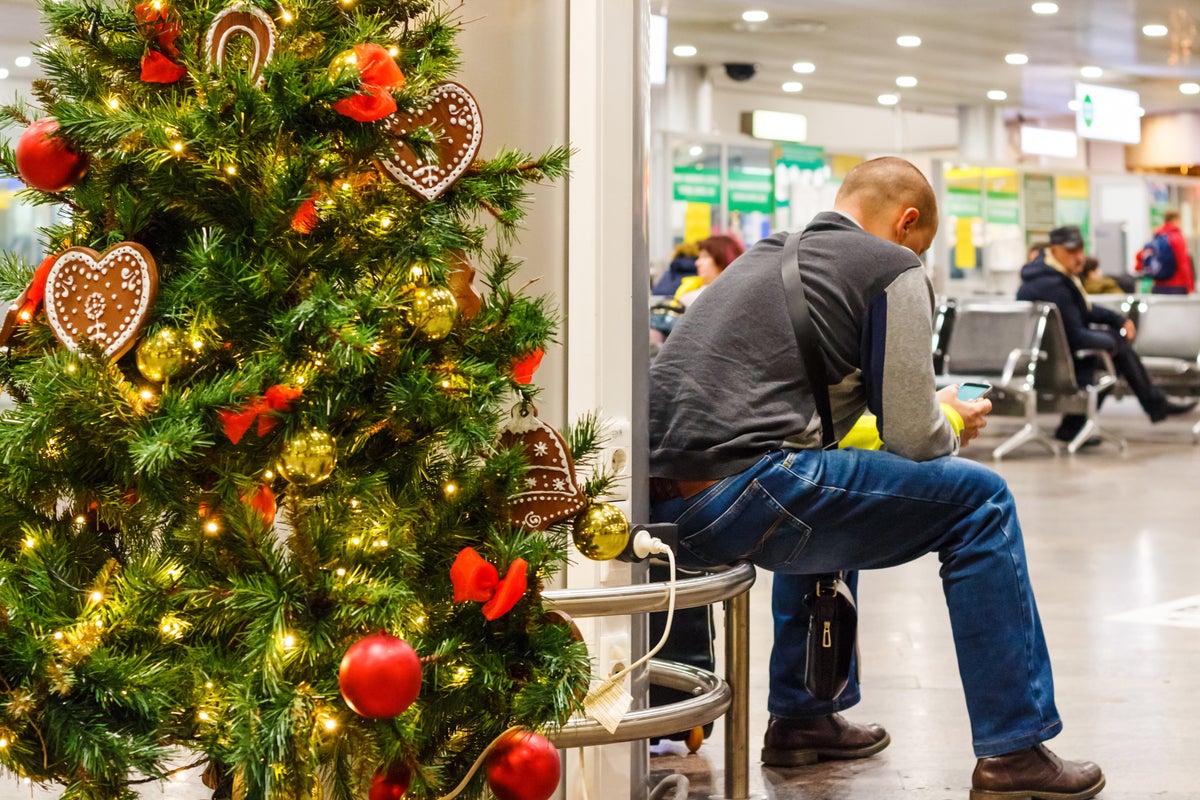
258	511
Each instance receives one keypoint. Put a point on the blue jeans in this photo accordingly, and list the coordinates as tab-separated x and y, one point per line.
801	513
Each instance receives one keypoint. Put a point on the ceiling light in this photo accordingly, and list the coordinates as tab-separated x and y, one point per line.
888	99
1091	72
696	150
1017	59
1045	8
684	50
793	86
1154	30
1190	88
1072	105
906	81
997	94
1141	112
3	73
755	16
804	67
22	61
908	40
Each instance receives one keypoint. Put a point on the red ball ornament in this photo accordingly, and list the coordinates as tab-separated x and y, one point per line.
523	765
380	676
47	162
390	785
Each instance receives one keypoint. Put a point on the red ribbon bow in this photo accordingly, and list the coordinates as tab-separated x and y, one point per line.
278	399
524	367
476	579
157	21
380	77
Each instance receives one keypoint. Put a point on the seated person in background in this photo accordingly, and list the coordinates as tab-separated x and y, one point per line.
1053	277
1096	282
1035	250
716	253
683	265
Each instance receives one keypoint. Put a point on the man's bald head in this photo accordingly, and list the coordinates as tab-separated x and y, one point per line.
891	199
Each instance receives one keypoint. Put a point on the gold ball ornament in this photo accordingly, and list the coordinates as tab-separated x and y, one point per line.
601	532
308	458
432	310
161	354
343	61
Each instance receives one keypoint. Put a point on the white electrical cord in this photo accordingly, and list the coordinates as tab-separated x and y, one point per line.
644	545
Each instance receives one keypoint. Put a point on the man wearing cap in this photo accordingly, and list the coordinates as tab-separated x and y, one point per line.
1054	277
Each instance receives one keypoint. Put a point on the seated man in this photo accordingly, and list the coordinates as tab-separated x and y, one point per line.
738	465
1054	277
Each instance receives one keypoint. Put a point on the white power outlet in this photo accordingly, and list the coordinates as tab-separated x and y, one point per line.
614	457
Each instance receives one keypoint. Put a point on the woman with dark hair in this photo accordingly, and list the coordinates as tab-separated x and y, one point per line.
716	253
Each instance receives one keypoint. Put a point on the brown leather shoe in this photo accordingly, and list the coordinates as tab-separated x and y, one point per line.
795	742
1035	773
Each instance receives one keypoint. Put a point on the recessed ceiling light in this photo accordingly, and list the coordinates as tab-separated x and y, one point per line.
684	50
1045	8
22	61
1154	30
908	40
804	67
1017	59
997	94
1091	72
1190	88
696	150
888	99
3	73
754	15
906	81
1073	105
793	86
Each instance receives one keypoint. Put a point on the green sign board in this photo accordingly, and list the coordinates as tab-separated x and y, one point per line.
964	202
1003	208
751	191
698	185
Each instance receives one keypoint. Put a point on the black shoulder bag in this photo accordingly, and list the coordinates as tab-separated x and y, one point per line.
833	617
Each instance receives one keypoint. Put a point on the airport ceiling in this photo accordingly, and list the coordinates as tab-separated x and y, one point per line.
852	48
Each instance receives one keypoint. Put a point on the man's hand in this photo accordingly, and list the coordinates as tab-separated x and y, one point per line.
973	412
1130	330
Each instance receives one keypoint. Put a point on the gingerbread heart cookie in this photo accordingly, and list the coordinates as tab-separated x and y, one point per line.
453	116
101	298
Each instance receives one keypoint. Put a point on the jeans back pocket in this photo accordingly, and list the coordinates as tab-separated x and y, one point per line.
749	526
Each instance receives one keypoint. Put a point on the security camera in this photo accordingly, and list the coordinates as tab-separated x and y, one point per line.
739	71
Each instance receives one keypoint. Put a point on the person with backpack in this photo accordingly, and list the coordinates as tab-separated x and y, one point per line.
1165	259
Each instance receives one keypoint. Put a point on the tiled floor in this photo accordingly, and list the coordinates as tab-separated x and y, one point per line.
1106	535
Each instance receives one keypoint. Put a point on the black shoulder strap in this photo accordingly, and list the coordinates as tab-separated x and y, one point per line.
806	336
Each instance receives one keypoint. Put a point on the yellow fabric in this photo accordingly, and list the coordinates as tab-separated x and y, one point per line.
865	435
689	284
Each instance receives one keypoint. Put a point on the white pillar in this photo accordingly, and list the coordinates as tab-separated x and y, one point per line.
981	134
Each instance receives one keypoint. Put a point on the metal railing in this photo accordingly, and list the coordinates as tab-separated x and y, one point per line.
714	697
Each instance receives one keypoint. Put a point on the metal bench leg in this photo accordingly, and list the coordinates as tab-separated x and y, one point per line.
737	718
1029	433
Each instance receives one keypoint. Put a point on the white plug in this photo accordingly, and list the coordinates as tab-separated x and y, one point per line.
645	544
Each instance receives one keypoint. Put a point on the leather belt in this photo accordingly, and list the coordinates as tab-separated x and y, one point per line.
663	489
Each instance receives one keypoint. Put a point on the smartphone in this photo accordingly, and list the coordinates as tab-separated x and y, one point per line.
973	391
